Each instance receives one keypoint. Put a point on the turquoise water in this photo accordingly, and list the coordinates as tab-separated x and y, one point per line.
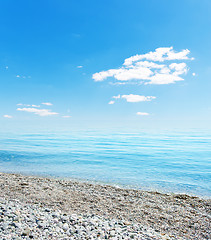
169	162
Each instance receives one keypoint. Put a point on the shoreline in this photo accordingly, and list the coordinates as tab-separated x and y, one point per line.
112	184
165	216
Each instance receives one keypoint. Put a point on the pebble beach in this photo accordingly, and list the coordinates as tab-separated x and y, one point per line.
47	208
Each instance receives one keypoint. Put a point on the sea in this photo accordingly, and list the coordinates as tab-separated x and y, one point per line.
168	161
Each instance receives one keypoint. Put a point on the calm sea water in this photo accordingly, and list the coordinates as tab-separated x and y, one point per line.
168	162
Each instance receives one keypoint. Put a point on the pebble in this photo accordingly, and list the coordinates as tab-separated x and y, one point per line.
46	227
65	227
112	233
74	210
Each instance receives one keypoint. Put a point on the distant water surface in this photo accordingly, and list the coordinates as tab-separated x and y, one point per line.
168	162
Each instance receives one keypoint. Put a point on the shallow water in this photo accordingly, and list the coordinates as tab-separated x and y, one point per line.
168	162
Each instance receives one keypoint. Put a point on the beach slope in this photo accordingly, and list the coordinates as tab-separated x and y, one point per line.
47	208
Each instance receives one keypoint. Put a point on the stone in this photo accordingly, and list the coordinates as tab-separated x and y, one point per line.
112	233
65	227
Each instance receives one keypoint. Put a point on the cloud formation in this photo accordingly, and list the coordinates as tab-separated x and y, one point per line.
33	105
117	97
132	98
28	105
142	114
21	104
47	103
40	112
137	98
159	55
7	116
19	76
150	67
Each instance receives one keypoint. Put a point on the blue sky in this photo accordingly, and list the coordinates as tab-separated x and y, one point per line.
71	55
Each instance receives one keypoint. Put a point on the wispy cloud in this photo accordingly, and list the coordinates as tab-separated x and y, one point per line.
40	112
7	116
126	83
137	98
28	105
117	97
142	114
66	116
132	98
33	105
23	104
19	76
111	102
150	68
79	66
47	103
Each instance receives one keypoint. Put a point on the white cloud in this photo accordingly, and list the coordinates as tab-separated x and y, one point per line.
47	104
149	64
117	83
21	104
142	114
22	76
40	112
159	55
6	67
33	105
98	77
7	116
164	79
124	74
194	74
66	116
117	97
27	105
133	73
79	66
133	98
180	68
148	68
137	98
